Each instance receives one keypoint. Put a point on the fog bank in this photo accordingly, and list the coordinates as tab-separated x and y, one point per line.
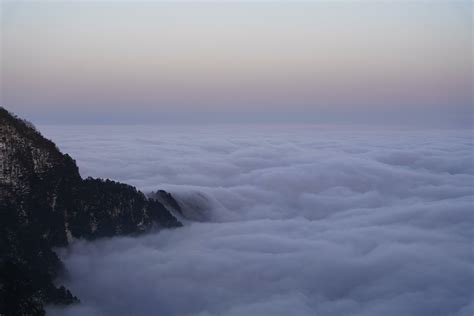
282	221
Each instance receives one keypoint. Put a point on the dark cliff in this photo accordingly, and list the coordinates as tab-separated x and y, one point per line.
44	203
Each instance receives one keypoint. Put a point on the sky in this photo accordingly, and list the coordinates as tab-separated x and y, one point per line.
325	62
297	221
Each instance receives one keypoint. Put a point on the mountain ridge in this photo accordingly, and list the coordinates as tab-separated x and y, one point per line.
45	203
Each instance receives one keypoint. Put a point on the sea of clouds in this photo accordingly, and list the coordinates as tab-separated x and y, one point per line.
281	221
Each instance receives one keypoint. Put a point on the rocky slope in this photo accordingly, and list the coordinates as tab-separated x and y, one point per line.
44	203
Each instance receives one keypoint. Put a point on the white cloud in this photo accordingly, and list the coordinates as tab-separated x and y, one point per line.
282	221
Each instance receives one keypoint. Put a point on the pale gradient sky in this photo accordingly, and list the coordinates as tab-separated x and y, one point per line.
375	62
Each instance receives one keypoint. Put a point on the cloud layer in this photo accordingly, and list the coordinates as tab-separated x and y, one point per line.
282	221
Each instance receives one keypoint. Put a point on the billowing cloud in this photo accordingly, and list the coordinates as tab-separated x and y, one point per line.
282	221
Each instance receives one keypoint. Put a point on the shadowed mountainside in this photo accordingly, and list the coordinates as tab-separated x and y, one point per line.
44	203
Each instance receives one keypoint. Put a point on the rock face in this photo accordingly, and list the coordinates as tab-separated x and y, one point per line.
44	203
167	200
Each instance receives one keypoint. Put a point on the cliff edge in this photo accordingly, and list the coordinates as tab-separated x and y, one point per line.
44	203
